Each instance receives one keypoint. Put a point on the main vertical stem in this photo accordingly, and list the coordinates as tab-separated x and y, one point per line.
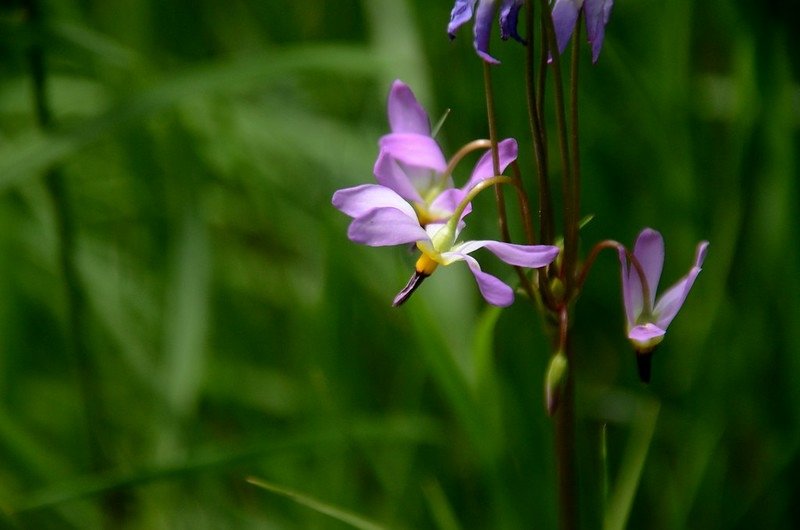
564	438
572	230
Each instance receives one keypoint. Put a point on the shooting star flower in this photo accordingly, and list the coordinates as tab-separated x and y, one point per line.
648	318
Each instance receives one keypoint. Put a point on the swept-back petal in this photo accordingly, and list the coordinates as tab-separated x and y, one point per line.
406	115
597	14
649	251
492	288
359	200
507	153
461	14
386	226
414	149
565	15
509	14
388	172
532	256
483	29
671	301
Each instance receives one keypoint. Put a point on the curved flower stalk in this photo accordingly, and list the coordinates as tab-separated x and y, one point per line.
399	224
648	318
565	16
464	10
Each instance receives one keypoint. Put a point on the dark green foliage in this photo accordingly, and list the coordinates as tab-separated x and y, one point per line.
226	328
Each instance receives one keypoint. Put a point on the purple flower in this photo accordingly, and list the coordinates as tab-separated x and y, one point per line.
648	318
412	164
398	224
410	159
463	11
565	15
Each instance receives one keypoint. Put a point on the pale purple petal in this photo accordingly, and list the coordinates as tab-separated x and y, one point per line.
359	200
565	15
630	302
509	14
461	14
493	289
531	256
507	153
406	115
446	203
671	301
386	226
597	14
649	251
389	173
483	29
414	149
646	334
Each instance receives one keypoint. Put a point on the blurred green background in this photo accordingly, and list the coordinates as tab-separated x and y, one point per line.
180	308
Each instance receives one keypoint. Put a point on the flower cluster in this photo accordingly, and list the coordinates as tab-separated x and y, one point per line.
463	11
565	16
415	201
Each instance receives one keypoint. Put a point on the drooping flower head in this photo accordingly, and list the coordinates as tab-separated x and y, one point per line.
648	318
464	10
565	15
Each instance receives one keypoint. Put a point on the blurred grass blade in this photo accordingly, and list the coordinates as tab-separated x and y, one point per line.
386	430
29	155
98	44
454	385
483	344
440	507
186	317
354	520
642	428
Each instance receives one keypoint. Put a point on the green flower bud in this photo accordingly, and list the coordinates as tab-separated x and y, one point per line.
554	381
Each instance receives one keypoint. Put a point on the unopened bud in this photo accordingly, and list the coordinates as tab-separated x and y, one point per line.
554	382
557	288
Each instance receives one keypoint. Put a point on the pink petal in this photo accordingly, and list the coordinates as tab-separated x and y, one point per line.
493	290
359	200
386	226
532	256
406	115
389	173
671	301
649	251
414	149
507	153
